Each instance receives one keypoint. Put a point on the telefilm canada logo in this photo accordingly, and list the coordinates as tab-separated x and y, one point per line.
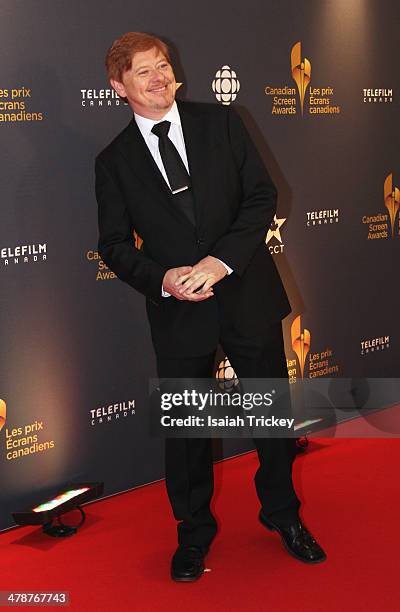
317	218
385	225
377	95
225	85
305	98
374	345
23	254
308	364
273	239
101	98
112	412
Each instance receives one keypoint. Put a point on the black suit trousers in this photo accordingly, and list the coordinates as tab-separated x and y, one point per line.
188	461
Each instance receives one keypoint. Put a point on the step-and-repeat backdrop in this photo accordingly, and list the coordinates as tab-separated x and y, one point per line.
317	84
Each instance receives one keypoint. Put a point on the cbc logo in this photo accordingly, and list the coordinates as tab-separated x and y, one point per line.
226	376
226	85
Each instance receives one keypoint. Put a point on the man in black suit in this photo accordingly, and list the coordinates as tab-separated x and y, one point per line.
188	179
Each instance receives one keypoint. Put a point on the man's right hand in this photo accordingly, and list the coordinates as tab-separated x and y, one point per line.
170	278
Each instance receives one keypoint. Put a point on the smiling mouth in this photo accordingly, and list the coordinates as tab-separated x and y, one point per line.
159	89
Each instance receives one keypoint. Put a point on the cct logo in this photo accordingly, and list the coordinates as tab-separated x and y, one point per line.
274	235
226	85
3	413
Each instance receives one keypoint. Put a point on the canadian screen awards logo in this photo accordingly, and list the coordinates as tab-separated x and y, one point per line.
391	196
103	272
26	439
317	363
305	98
385	225
22	254
273	238
15	106
3	413
225	85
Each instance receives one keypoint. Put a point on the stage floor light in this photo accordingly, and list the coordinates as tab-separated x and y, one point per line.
48	513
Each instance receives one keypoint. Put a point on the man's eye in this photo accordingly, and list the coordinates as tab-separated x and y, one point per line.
143	72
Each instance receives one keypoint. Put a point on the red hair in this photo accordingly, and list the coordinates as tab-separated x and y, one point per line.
120	54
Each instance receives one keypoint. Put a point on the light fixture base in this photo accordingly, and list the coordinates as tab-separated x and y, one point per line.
57	529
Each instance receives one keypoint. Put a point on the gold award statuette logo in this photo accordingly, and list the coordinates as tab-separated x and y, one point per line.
391	196
301	342
301	72
137	240
3	413
311	100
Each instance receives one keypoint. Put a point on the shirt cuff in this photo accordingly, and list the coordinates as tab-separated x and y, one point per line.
164	293
228	269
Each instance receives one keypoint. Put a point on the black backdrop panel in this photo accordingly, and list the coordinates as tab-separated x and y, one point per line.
76	353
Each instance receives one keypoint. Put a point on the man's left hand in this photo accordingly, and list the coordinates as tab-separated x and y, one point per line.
204	274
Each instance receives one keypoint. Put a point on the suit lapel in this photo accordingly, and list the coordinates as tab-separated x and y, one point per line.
193	127
195	131
136	152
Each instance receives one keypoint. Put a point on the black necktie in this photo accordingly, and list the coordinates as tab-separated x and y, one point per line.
175	169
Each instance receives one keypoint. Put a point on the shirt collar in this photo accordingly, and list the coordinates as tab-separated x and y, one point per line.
145	125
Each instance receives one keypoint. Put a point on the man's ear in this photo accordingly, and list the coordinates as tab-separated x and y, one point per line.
119	88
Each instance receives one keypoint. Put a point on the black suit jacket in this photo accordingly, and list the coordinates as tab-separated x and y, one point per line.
235	201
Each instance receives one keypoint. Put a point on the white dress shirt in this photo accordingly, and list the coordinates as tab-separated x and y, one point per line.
175	134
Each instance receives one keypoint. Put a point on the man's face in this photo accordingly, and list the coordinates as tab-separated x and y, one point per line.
149	85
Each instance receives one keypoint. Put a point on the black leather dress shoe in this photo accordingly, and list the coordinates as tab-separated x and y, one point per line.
297	540
187	564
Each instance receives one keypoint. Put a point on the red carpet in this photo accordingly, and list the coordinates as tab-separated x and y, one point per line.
350	495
